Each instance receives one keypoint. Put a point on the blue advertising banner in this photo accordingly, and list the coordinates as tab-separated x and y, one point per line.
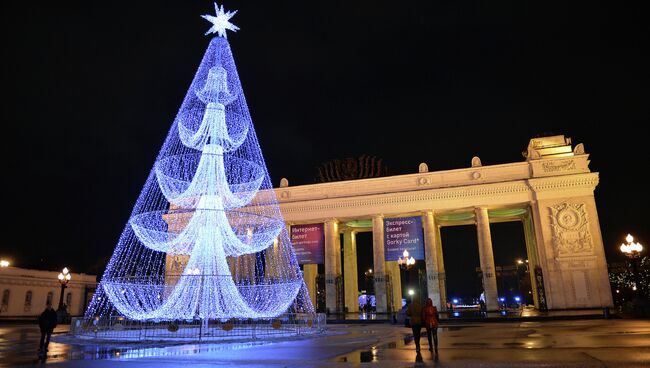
308	243
403	234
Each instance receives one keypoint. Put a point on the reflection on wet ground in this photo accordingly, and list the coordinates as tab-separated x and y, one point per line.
472	342
473	314
380	344
366	356
19	346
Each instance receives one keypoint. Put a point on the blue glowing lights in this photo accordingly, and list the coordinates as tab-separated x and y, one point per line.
206	238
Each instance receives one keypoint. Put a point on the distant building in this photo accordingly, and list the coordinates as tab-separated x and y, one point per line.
25	292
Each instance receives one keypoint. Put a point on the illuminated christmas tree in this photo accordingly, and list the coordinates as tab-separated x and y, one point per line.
206	238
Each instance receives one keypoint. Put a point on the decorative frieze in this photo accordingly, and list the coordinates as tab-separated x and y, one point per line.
399	198
546	167
423	180
588	181
570	228
559	165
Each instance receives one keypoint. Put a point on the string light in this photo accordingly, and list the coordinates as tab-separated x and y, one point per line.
206	238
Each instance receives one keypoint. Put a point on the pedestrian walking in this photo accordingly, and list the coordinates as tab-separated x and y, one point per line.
482	308
414	311
430	319
46	322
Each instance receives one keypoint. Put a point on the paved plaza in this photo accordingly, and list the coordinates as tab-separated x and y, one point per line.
578	343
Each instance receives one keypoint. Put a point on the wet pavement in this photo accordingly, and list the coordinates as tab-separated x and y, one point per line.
525	313
578	343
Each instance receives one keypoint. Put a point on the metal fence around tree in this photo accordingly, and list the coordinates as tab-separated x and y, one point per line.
122	329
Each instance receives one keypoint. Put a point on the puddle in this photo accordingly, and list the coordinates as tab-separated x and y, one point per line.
536	335
451	328
477	344
398	344
367	356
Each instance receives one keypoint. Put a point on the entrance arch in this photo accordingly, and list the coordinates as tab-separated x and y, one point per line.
551	194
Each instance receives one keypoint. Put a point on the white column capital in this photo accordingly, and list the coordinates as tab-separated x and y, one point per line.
428	212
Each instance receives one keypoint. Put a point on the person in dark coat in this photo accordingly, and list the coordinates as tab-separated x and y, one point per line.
430	319
414	311
47	322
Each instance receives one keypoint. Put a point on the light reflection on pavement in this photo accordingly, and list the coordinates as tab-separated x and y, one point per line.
568	343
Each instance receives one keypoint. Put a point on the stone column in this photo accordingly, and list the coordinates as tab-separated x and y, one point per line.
487	259
271	262
531	251
350	278
431	258
396	281
310	272
442	278
332	263
379	262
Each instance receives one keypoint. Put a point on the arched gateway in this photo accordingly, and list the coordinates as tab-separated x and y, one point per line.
551	193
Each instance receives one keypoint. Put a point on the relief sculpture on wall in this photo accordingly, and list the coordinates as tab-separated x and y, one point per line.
570	226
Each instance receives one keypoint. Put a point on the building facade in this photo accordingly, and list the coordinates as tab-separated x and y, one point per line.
25	292
551	194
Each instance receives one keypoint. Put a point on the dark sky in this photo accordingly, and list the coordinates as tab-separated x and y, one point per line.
91	89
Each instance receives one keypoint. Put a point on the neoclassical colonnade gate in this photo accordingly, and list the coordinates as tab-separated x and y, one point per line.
551	193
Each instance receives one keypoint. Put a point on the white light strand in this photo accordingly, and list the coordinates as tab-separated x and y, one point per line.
206	238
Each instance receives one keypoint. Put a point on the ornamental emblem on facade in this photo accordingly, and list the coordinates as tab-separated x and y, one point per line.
570	229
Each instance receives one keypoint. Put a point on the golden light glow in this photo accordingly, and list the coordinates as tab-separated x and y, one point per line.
405	259
4	263
64	276
631	248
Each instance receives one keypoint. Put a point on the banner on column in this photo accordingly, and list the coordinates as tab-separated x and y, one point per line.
308	243
403	234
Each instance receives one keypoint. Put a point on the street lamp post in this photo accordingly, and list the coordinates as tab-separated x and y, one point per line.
407	262
522	271
64	277
633	251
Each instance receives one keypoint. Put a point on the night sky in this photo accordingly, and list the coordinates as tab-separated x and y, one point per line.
91	90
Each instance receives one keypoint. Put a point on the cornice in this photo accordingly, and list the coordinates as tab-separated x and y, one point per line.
408	197
17	281
588	181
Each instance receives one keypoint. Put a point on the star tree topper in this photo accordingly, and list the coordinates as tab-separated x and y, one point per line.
220	22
